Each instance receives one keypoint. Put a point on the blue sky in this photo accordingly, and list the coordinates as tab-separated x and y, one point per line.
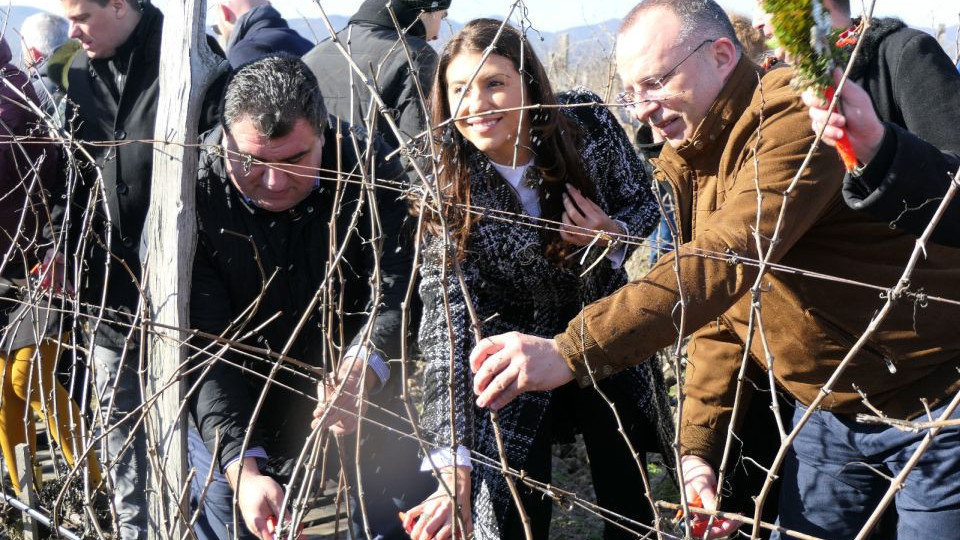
553	15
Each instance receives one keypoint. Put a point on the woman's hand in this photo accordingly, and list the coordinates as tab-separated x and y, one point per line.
433	518
581	213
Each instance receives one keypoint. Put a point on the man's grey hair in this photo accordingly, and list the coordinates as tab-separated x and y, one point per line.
274	92
702	18
44	32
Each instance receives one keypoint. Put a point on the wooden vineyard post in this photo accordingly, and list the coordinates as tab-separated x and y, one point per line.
187	67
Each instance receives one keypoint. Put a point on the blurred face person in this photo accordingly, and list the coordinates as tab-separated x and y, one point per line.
497	86
431	21
225	23
275	174
670	84
762	20
227	14
101	29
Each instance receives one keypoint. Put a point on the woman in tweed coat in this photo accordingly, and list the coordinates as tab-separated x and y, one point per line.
508	179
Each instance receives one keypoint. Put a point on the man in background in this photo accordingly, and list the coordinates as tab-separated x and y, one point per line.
251	29
380	47
42	34
112	91
374	43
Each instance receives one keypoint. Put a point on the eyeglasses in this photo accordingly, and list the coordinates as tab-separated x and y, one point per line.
649	90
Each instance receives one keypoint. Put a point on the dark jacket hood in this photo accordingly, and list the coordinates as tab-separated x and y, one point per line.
260	32
261	16
878	31
375	12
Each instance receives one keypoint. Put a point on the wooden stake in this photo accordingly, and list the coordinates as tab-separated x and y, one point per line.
27	492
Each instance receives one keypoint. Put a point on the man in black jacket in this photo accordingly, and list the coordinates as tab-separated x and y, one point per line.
300	256
906	136
252	29
112	89
374	43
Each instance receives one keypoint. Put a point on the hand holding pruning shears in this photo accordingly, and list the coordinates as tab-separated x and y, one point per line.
52	274
700	485
259	499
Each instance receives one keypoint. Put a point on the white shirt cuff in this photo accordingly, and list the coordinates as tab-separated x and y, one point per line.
442	458
374	361
256	452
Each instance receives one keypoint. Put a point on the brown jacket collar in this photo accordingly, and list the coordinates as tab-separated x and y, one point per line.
734	98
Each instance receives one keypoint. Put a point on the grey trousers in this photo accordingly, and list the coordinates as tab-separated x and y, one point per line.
118	386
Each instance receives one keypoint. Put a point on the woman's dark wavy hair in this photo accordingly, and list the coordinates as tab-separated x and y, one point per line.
555	139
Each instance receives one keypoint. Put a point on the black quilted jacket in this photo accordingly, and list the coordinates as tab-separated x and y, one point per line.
315	248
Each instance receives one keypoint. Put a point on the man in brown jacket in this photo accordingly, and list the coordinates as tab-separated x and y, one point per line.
737	139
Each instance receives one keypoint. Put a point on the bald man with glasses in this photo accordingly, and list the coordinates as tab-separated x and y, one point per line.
748	188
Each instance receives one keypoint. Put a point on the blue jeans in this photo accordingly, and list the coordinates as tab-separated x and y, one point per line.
829	489
118	385
392	481
215	522
661	239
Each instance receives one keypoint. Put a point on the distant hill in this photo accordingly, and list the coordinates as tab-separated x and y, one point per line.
314	29
594	38
584	40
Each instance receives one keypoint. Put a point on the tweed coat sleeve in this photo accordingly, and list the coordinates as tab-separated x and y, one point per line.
446	340
622	185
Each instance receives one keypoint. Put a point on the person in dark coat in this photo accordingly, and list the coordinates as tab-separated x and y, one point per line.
20	166
373	40
907	141
27	174
252	29
112	89
290	250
